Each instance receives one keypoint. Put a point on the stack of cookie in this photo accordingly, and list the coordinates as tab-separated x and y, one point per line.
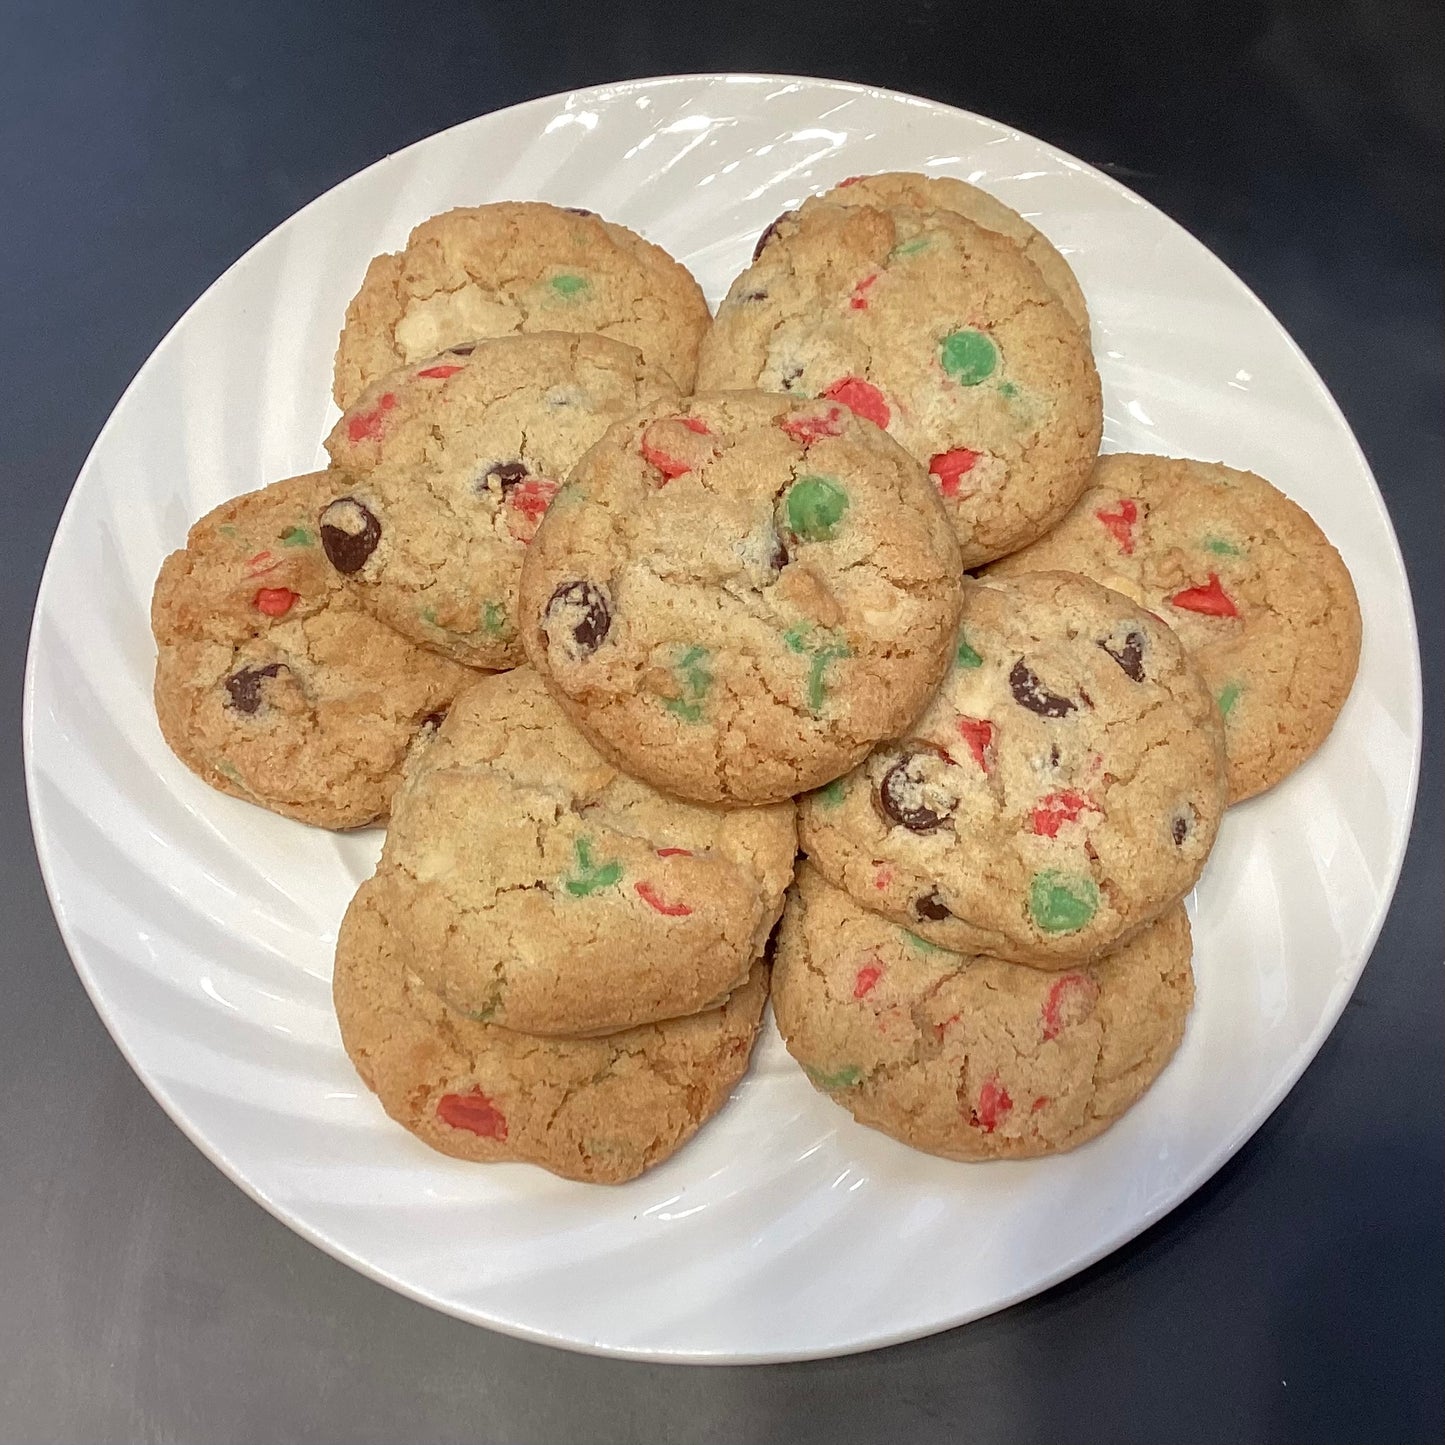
603	648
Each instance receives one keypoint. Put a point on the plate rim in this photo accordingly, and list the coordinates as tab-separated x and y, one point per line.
333	1247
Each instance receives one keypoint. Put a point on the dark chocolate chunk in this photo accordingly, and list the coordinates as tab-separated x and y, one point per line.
770	232
753	296
582	609
244	685
1129	654
1181	825
579	211
790	376
932	907
434	719
349	534
507	473
462	348
903	796
778	554
1029	692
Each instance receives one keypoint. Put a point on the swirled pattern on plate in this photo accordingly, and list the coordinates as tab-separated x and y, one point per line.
203	928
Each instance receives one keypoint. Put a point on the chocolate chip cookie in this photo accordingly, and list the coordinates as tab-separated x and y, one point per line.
599	1110
482	271
1261	601
1062	790
941	332
444	471
271	684
537	887
964	1055
736	598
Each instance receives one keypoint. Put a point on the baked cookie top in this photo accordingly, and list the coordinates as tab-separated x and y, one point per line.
443	472
964	1055
736	598
599	1110
938	330
948	193
1062	790
1261	601
271	685
481	271
539	888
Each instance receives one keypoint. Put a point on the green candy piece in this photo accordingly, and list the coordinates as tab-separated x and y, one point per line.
494	618
229	770
966	656
1221	547
1008	389
297	537
228	530
590	876
817	688
482	1015
815	506
691	668
969	357
569	286
844	1078
832	795
1062	902
1228	696
910	248
921	944
429	616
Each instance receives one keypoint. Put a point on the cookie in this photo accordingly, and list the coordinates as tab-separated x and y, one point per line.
736	599
1063	789
539	888
482	271
444	471
273	686
1261	601
938	330
599	1110
964	1055
948	193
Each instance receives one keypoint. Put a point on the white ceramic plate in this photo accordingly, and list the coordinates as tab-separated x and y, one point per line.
203	927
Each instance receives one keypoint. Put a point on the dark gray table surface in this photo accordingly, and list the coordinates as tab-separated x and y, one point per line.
144	144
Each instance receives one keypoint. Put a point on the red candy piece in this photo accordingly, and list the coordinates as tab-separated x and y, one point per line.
1074	993
862	398
849	181
1121	523
275	601
940	1029
859	299
1211	599
473	1112
993	1104
807	429
696	424
1040	1103
669	465
262	562
978	733
882	877
1056	809
674	852
439	373
949	467
531	499
868	975
368	425
654	899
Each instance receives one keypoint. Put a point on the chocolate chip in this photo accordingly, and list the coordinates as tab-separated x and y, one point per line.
904	798
1129	654
244	685
464	348
753	296
1029	692
434	719
790	376
770	232
578	211
507	473
349	534
932	907
1181	825
777	554
1053	755
582	609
